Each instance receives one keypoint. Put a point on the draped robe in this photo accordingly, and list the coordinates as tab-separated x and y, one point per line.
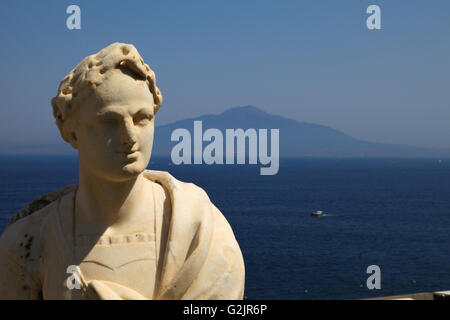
199	255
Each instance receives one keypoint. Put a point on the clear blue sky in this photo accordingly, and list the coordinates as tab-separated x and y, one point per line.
313	61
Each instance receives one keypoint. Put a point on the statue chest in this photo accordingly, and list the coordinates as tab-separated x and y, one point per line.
117	267
128	262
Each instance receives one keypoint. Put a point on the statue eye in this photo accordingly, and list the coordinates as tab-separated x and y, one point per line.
141	119
109	120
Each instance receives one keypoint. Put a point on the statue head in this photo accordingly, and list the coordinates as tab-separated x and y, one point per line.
105	108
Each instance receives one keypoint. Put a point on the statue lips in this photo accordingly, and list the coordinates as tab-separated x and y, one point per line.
130	154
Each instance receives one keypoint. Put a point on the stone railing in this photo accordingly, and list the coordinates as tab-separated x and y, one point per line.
438	295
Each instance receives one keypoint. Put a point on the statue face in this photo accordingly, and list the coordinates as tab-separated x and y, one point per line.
115	127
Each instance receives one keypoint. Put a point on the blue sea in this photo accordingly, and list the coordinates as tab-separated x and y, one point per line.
387	212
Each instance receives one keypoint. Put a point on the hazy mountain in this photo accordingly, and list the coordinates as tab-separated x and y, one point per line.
297	139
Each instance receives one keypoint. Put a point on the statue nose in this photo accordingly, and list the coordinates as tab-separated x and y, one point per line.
128	134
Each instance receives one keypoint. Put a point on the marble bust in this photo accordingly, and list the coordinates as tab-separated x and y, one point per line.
124	232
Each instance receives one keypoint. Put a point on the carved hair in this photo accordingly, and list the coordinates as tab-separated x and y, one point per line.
90	73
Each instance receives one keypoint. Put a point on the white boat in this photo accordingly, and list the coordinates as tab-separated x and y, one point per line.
317	213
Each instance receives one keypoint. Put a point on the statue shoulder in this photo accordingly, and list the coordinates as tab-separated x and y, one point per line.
20	239
21	252
195	192
41	202
188	190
